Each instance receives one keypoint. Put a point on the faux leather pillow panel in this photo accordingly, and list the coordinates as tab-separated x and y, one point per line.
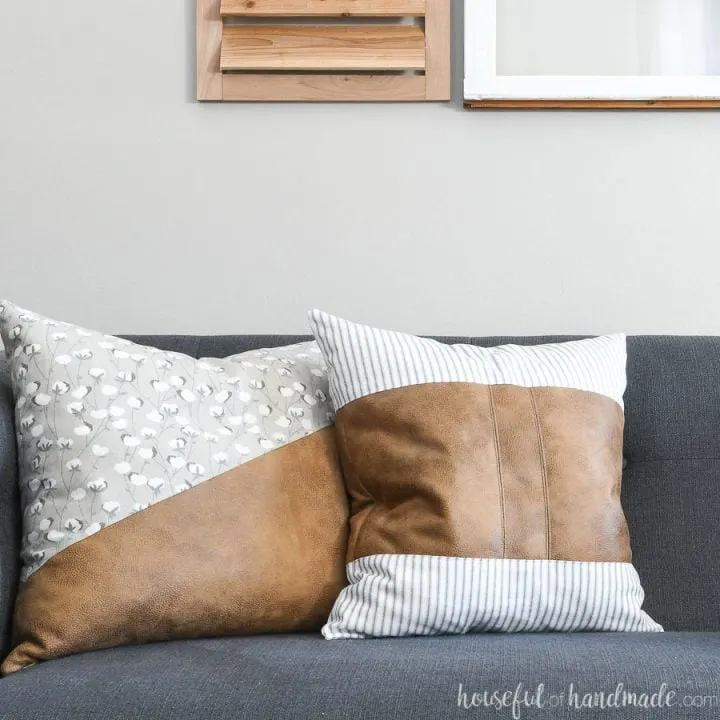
258	549
480	471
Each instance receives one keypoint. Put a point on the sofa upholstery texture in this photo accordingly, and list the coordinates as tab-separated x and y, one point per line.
671	497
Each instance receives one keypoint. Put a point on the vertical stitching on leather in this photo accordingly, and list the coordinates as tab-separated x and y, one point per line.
353	541
499	468
543	472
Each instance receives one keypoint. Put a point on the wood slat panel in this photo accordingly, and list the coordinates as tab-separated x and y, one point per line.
668	104
323	8
323	88
303	47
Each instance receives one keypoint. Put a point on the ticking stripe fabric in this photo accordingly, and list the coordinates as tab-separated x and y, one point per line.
364	360
401	595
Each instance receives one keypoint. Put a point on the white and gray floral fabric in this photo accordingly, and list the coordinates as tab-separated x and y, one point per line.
107	428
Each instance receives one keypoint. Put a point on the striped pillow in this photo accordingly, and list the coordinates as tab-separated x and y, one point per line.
485	485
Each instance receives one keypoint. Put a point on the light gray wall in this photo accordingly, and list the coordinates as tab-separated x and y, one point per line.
572	37
126	206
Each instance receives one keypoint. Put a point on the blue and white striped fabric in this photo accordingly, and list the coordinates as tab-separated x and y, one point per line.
364	360
401	595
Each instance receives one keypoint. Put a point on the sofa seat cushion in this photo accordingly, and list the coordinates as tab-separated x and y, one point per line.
304	676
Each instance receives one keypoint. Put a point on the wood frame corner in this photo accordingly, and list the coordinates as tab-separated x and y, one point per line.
438	50
209	42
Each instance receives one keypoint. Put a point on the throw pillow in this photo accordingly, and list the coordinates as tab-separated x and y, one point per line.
166	497
484	485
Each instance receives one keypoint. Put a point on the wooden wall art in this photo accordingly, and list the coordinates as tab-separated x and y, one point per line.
323	50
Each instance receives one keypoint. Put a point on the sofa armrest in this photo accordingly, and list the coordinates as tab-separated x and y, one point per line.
10	518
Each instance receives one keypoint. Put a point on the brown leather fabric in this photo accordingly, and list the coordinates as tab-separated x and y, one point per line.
469	470
260	548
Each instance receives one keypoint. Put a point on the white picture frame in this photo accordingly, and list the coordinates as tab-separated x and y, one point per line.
484	87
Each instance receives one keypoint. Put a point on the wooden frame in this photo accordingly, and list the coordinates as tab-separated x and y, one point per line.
269	62
484	88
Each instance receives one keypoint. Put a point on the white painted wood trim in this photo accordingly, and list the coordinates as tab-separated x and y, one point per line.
483	83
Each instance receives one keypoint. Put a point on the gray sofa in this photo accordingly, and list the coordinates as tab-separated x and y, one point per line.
671	495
